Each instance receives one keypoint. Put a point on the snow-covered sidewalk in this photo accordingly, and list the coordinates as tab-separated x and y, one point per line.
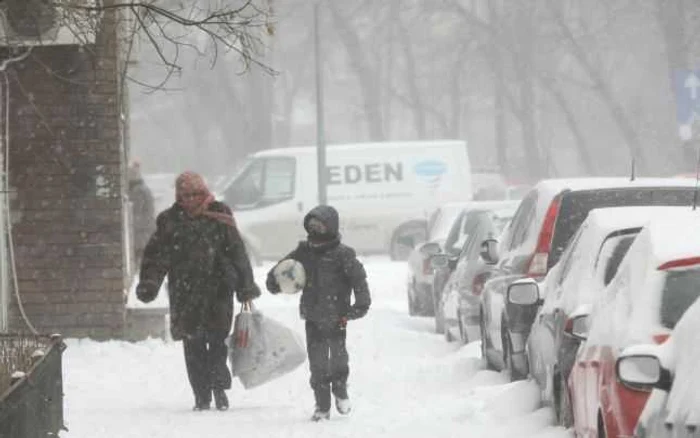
405	381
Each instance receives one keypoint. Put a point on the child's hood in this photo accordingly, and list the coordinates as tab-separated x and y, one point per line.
326	214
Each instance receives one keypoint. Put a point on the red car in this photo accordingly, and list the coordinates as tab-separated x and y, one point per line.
655	283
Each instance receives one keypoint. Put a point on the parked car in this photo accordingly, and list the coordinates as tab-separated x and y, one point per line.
453	245
536	237
656	282
466	271
420	272
570	288
673	409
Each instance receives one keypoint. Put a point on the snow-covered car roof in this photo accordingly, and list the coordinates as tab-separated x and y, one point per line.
549	188
639	285
671	238
599	224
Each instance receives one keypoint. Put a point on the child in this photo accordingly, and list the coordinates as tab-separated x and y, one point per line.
332	272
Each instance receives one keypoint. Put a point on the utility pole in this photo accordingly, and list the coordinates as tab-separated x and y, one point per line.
320	127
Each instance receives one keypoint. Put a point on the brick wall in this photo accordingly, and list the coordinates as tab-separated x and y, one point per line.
66	178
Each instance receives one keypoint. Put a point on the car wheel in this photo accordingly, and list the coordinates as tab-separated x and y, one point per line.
439	317
411	303
601	426
448	335
484	356
462	332
512	373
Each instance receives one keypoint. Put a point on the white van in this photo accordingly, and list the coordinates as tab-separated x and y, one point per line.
381	190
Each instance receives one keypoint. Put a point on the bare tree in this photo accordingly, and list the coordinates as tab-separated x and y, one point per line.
168	27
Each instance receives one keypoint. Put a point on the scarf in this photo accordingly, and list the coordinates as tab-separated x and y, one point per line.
189	183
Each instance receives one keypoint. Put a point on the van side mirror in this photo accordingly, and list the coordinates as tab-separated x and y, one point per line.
641	372
489	251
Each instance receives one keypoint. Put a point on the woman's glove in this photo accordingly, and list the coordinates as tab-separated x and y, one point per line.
357	312
146	291
248	293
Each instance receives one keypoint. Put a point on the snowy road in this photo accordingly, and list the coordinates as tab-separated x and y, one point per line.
405	381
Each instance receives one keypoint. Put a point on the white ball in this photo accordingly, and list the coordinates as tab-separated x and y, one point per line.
290	276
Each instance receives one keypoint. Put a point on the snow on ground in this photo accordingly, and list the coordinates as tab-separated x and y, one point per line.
405	381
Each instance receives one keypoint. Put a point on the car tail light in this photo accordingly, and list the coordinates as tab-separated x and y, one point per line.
427	267
660	338
681	263
539	260
478	283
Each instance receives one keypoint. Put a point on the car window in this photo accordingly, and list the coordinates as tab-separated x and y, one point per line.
619	245
455	230
570	255
521	220
476	236
680	291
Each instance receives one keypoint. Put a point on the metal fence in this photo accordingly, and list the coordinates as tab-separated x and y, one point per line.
31	381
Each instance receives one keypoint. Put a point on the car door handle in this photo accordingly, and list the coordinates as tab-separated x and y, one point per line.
300	206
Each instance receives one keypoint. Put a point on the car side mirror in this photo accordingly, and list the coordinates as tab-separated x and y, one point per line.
641	372
439	261
577	327
524	292
452	263
430	248
489	251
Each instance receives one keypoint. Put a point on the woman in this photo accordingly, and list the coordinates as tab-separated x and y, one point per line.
197	245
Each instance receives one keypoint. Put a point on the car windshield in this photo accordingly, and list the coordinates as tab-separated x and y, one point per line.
576	205
443	221
680	291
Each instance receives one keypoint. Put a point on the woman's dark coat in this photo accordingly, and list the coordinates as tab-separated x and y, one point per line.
205	260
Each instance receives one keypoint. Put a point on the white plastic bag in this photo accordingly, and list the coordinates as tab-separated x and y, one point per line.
261	349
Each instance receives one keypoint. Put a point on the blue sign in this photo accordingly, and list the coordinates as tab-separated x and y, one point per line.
686	85
430	168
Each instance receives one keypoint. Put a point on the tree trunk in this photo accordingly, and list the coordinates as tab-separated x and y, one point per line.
601	86
369	86
581	146
499	83
417	104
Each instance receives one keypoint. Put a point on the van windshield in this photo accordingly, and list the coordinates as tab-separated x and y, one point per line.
681	289
262	182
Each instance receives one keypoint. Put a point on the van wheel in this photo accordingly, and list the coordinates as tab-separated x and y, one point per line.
397	250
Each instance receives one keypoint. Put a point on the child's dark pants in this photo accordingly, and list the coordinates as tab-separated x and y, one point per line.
328	361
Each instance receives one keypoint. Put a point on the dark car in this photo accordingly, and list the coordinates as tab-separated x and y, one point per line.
534	241
419	284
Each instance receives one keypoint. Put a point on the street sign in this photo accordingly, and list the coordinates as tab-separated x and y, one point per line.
686	85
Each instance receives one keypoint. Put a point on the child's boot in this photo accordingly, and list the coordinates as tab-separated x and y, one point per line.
323	403
342	401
